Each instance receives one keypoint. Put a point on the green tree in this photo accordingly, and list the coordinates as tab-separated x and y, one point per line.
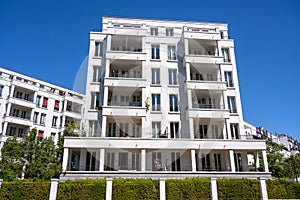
275	159
292	167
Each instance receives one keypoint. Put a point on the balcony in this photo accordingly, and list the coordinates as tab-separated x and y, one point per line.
19	120
22	102
124	111
202	33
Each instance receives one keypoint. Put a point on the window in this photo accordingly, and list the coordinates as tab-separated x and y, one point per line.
136	131
35	117
90	163
228	79
173	103
93	129
203	131
238	162
43	119
155	102
18	94
41	134
155	52
1	89
123	161
156	129
222	34
175	161
135	161
95	100
98	49
217	158
38	100
156	161
96	74
45	102
172	52
205	162
174	127
124	129
23	114
54	121
155	73
53	136
169	32
173	77
56	105
112	129
15	112
231	104
110	161
234	130
215	132
42	86
154	31
226	55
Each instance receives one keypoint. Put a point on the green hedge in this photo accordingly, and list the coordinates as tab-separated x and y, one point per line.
135	189
25	190
279	189
189	188
238	189
82	189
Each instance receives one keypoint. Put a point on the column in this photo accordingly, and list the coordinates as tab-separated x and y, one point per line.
188	71
103	128
193	158
213	189
12	89
105	96
189	98
108	42
263	189
107	68
186	47
225	130
5	128
109	188
143	129
65	159
162	189
228	129
53	189
257	161
231	157
101	160
8	109
265	160
191	126
143	160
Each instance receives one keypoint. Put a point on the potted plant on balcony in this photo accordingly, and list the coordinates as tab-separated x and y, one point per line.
147	104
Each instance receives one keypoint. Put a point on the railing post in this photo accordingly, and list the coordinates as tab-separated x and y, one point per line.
162	189
109	188
53	189
263	189
1	180
213	188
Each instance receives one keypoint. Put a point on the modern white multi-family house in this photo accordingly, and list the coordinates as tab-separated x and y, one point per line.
27	103
162	99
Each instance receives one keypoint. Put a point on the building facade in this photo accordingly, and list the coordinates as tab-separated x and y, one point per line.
162	98
27	103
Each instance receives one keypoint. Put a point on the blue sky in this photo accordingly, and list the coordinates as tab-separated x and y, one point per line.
49	39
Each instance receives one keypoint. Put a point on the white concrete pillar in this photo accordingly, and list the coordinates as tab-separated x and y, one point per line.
143	160
105	96
193	158
108	42
188	71
213	189
53	189
265	160
103	128
5	128
263	189
8	109
162	189
107	68
143	129
191	127
228	130
186	47
232	163
257	160
12	90
65	159
189	98
109	184
101	160
225	131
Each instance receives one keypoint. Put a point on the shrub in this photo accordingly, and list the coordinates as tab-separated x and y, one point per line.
280	189
25	190
238	189
189	188
82	189
135	189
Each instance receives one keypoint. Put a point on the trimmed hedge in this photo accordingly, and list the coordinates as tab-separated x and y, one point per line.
82	189
135	189
238	189
189	188
279	189
25	190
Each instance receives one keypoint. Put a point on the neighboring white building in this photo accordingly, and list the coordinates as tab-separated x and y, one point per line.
162	99
27	103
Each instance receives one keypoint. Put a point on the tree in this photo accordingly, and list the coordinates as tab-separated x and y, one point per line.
292	167
275	159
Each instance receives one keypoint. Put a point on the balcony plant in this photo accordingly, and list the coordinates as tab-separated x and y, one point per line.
147	104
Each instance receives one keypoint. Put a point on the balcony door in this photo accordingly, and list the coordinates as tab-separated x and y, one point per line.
175	161
110	162
217	158
90	164
123	161
238	162
135	161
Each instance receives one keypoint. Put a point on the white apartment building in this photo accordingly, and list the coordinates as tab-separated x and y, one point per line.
162	99
27	103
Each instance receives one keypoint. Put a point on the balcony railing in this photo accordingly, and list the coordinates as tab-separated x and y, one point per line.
124	103
202	77
208	135
125	75
23	98
130	49
208	106
203	52
73	110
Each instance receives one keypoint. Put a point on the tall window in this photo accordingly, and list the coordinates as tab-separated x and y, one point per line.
156	129
43	119
169	32
155	52
203	131
228	79
217	158
136	131
54	121
173	103
35	117
154	31
112	127
226	55
173	77
1	89
175	161
135	161
155	74
124	129
56	105
95	100
98	49
110	162
205	162
156	161
45	102
38	100
93	129
96	74
155	102
174	129
234	129
231	104
172	52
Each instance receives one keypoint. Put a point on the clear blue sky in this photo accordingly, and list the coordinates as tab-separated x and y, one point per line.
49	39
